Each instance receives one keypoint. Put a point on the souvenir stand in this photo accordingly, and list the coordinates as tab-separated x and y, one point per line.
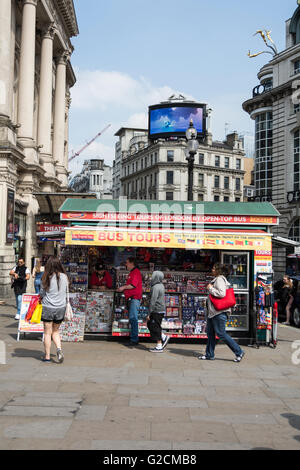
183	240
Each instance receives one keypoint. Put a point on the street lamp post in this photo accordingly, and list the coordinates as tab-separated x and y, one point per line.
192	148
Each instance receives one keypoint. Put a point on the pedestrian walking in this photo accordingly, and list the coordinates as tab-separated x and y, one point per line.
54	289
288	294
157	310
216	321
37	274
20	274
133	290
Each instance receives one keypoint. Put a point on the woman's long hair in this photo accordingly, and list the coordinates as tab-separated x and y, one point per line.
38	266
221	269
52	267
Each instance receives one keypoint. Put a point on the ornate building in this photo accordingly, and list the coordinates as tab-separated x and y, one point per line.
158	170
275	107
35	80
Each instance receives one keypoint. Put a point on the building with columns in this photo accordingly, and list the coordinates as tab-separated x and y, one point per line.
275	109
35	81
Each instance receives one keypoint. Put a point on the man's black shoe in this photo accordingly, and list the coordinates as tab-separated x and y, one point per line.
133	343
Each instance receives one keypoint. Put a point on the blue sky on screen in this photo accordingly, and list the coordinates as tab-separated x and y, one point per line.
175	119
131	54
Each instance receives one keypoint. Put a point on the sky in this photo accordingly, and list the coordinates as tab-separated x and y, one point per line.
130	54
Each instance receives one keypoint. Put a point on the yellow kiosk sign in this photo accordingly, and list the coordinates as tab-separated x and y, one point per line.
170	239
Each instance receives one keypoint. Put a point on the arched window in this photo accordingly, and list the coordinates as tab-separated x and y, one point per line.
294	233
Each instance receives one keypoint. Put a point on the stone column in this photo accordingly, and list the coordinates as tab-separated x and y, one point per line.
45	101
59	119
26	75
6	79
68	105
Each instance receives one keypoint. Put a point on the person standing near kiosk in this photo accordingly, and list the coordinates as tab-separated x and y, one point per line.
133	290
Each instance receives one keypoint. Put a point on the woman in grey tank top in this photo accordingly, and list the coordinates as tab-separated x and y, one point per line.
53	293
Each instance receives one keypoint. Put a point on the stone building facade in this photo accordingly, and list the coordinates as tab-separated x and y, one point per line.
157	170
275	108
95	177
35	81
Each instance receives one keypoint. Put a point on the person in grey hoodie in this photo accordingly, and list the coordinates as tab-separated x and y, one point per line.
216	321
157	310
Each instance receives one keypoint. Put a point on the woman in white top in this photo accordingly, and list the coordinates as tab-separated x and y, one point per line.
54	301
216	319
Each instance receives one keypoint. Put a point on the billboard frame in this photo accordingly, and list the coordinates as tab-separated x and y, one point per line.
186	104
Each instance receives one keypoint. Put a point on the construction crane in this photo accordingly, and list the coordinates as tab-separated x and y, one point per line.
88	143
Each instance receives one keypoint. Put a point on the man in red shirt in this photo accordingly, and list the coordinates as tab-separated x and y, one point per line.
133	291
101	278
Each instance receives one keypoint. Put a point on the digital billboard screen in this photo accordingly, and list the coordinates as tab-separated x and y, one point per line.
174	120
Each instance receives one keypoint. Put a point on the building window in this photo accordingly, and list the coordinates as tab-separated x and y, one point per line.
155	157
226	182
226	198
94	180
217	181
201	158
238	184
296	161
170	156
201	180
142	164
170	177
217	161
296	108
146	162
238	164
200	197
226	162
237	199
169	196
98	180
216	198
294	233
263	154
297	66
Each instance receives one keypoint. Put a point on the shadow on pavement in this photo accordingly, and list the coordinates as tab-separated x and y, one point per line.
294	422
20	352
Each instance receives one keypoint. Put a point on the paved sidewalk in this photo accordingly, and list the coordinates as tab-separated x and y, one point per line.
107	396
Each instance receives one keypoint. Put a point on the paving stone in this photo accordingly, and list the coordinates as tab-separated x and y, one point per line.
128	414
194	432
37	411
150	402
130	445
92	430
90	412
187	445
43	429
235	418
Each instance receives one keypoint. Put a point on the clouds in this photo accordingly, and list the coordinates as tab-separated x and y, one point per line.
101	97
106	89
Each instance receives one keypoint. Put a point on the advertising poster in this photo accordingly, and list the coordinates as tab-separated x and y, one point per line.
24	326
10	228
73	331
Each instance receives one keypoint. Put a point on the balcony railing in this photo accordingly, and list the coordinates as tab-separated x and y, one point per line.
262	88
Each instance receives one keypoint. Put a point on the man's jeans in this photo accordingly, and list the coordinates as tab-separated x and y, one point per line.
134	307
216	326
18	302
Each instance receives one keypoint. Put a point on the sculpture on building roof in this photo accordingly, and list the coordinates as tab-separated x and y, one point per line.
266	36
